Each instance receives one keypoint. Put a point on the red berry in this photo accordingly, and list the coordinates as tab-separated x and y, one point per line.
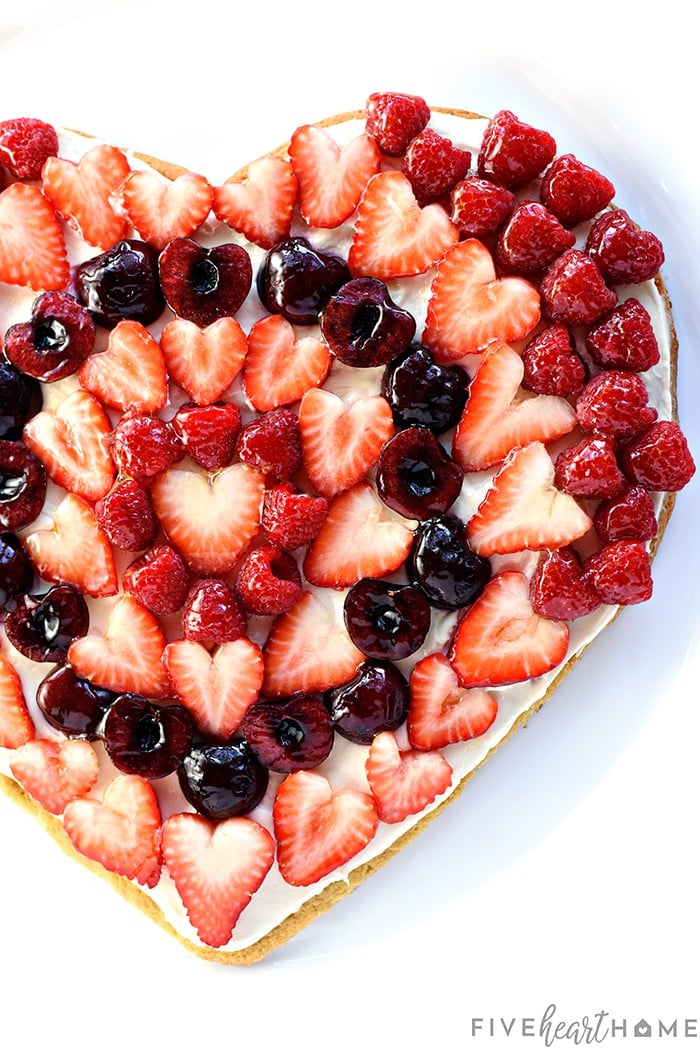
212	613
480	207
589	469
623	253
208	432
512	152
24	146
630	515
551	364
272	443
573	191
434	165
624	339
559	588
203	285
269	582
659	458
393	119
620	572
290	518
615	402
143	445
158	579
127	516
531	239
573	290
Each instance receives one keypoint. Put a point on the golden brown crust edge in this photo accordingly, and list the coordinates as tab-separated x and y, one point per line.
317	906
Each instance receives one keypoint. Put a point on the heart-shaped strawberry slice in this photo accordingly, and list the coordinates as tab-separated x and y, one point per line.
261	205
55	773
441	711
83	193
32	246
403	782
16	725
279	368
74	550
203	361
331	177
161	209
130	373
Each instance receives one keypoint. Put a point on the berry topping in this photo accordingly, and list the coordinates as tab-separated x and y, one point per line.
221	780
319	829
121	284
55	773
144	445
25	144
573	290
415	475
202	285
297	281
126	516
659	458
212	614
423	393
294	733
43	626
16	725
441	711
268	582
158	580
502	640
393	119
479	207
394	236
574	192
404	782
331	177
531	239
623	253
161	209
434	165
130	374
83	193
363	326
470	307
32	248
144	739
559	589
385	620
22	486
551	364
74	550
376	700
208	432
203	361
443	565
512	152
279	368
261	205
620	572
55	342
20	399
630	515
16	571
589	470
71	704
272	443
291	519
624	339
615	402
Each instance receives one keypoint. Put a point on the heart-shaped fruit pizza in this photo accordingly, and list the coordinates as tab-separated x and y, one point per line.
312	486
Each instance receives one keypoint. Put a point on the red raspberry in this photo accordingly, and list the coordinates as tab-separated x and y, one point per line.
623	253
212	614
480	207
620	572
659	458
25	144
551	364
616	403
531	239
208	432
434	165
624	339
575	192
573	290
629	516
512	152
291	518
143	445
127	516
158	579
393	119
589	469
272	443
559	588
269	582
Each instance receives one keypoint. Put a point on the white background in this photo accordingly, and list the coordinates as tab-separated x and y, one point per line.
568	870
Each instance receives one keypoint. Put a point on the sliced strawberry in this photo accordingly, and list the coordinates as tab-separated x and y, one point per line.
217	688
55	773
216	868
280	368
308	649
404	782
441	711
83	193
470	306
261	205
161	209
32	247
130	373
500	416
74	550
70	442
122	831
209	519
16	725
318	829
523	509
127	658
203	361
502	640
341	441
360	537
394	236
331	177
